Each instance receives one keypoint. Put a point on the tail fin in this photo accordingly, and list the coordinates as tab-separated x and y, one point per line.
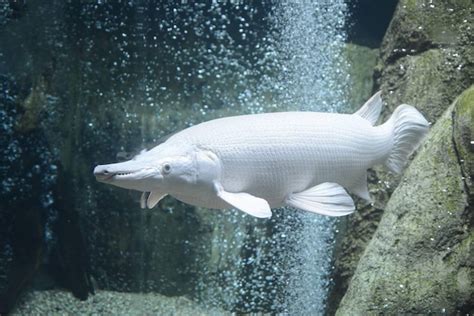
409	128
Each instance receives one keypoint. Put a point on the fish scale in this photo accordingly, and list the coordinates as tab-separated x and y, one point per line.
306	146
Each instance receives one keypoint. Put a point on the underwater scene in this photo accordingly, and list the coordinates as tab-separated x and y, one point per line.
236	157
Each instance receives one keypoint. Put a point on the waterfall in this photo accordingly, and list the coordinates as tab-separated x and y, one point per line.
312	77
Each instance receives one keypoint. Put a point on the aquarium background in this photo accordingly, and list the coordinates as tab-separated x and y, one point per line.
94	82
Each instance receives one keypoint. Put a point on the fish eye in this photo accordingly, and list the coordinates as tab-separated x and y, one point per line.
166	168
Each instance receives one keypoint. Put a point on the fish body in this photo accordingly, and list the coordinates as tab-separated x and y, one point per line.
263	161
275	154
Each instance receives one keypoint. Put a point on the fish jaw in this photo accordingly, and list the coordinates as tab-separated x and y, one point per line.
130	175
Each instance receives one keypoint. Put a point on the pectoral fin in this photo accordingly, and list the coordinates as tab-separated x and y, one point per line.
326	199
150	199
247	203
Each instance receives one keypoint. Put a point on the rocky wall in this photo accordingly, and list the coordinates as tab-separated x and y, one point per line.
419	260
426	60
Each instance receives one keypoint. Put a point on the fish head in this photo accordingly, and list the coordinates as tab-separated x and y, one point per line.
160	169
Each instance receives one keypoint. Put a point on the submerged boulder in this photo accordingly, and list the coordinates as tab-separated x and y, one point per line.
110	303
427	55
426	60
420	257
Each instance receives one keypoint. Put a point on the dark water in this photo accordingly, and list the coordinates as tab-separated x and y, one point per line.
87	82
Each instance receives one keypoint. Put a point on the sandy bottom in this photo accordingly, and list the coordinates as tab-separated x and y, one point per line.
58	302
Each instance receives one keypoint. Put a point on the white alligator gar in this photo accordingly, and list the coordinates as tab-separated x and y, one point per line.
263	161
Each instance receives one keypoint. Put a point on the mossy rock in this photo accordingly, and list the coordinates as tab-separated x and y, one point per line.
361	62
464	133
426	60
420	25
427	55
427	81
420	258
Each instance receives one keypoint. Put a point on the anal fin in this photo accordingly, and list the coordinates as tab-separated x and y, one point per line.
326	199
360	188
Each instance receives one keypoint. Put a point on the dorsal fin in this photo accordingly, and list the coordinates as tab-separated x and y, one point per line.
371	109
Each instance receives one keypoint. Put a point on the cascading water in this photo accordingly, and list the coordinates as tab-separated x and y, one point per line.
312	75
296	65
113	77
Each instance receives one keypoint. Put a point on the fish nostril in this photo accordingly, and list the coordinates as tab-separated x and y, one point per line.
106	172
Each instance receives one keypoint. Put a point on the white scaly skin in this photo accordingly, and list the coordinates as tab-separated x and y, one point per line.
263	161
273	155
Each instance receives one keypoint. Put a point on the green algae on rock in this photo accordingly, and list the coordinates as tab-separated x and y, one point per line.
426	61
361	62
427	55
419	260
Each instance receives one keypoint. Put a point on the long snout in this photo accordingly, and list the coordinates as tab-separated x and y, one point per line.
102	173
123	170
132	174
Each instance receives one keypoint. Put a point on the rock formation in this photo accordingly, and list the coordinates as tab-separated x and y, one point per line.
426	60
420	258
